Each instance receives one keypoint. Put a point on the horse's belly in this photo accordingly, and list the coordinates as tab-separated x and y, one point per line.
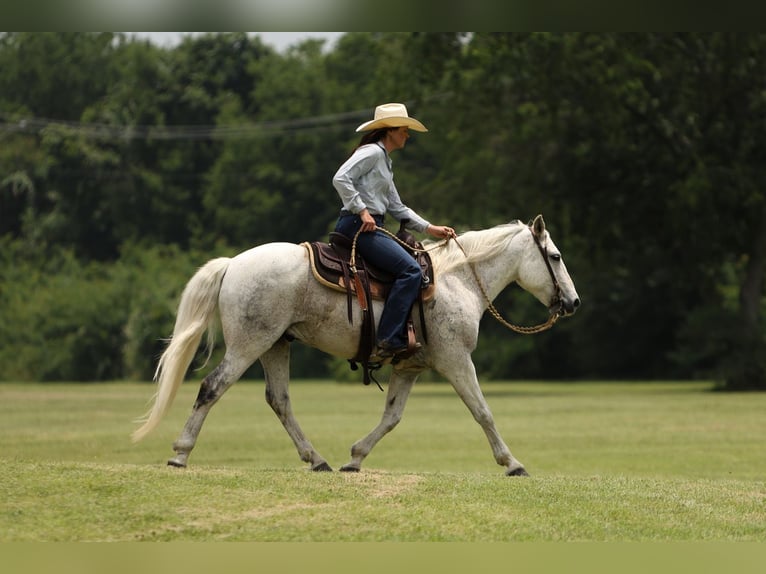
326	326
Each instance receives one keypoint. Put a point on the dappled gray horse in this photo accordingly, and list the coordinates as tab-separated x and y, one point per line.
267	296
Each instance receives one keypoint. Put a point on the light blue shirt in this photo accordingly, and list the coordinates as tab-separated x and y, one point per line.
367	180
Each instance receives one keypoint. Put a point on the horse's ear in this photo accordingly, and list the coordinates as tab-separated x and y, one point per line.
538	227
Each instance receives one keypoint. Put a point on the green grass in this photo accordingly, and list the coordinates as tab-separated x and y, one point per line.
609	462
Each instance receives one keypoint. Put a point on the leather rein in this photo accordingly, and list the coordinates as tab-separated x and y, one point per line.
490	307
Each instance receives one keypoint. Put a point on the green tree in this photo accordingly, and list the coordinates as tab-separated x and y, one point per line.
53	74
636	147
643	151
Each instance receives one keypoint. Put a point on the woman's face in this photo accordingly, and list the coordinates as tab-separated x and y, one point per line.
398	137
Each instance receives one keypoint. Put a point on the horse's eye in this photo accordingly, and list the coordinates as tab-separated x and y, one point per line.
556	256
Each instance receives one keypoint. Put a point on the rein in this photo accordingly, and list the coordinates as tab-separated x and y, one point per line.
490	307
496	314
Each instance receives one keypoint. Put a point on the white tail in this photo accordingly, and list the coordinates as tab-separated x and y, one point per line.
196	310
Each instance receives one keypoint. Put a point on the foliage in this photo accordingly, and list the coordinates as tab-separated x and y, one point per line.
64	319
70	318
627	144
643	151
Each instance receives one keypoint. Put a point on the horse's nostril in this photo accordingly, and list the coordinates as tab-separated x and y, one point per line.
576	303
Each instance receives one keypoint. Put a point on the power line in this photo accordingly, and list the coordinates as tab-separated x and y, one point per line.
108	132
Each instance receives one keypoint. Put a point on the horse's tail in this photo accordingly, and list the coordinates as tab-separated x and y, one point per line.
196	310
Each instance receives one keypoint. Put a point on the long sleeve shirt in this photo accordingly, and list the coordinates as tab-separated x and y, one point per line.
366	180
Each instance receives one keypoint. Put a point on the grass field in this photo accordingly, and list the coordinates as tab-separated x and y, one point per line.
609	462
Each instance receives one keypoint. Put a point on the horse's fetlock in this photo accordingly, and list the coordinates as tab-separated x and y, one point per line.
182	446
307	456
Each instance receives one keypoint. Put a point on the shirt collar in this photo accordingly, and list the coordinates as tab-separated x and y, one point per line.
385	151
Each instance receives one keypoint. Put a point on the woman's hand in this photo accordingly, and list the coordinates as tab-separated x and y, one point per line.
368	221
441	231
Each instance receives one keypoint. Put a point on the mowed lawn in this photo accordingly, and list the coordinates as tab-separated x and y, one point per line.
608	462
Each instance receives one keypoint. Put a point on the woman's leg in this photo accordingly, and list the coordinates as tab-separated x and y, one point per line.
385	253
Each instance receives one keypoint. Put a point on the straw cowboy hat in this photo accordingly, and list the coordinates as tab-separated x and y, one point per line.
392	116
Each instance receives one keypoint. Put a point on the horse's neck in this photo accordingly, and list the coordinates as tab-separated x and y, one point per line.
494	272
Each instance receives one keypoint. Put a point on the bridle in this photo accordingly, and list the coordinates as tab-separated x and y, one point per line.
557	300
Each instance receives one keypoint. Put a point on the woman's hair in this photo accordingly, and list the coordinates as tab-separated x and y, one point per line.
373	136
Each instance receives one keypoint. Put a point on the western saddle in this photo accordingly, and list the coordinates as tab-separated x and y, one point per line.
332	267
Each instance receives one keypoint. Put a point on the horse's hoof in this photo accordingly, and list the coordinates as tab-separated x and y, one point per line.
517	472
349	468
176	463
322	467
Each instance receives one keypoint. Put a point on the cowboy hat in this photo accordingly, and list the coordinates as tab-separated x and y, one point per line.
392	116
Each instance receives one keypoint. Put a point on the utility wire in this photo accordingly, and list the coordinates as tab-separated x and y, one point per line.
269	128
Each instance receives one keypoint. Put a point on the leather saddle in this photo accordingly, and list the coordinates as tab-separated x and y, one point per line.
331	266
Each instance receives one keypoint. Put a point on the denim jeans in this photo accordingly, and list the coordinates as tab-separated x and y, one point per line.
383	252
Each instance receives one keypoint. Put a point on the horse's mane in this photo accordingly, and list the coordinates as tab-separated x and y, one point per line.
478	245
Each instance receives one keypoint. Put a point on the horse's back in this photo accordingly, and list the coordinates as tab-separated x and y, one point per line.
278	255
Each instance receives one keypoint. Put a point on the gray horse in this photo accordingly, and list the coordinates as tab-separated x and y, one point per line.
267	295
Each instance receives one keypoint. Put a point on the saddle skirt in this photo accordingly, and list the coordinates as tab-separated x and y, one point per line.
330	265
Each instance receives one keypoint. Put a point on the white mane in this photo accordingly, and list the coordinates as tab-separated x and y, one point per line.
478	245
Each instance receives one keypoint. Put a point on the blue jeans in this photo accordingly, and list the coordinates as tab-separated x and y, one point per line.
383	252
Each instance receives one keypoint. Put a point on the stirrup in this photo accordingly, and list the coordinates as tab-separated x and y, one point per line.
408	352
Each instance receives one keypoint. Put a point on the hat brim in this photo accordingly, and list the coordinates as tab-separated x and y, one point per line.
411	123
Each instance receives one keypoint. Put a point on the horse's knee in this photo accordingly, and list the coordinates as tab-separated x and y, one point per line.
484	417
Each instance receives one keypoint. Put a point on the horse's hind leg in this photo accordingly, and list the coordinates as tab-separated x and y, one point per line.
276	368
399	387
211	389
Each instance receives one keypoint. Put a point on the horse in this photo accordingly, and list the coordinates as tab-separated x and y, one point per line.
266	297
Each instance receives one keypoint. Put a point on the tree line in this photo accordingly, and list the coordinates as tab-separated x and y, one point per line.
124	166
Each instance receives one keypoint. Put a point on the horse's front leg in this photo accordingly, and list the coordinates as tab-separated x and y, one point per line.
462	374
399	387
276	368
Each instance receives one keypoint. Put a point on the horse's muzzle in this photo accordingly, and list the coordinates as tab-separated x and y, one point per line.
564	307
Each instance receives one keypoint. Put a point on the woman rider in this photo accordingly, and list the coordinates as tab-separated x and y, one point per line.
365	183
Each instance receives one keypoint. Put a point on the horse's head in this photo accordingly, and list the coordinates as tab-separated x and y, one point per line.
542	271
